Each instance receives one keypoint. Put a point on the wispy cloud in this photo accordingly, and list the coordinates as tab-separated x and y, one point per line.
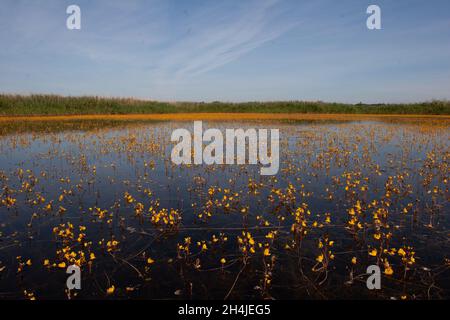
141	34
214	40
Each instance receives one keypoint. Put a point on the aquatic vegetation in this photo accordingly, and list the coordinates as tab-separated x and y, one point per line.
107	198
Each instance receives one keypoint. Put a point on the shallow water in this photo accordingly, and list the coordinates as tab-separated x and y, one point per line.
360	186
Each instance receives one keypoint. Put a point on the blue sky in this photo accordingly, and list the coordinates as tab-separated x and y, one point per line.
232	50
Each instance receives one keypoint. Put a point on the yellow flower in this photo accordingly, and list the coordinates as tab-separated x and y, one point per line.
28	262
46	262
223	261
401	252
377	236
62	265
388	270
319	258
269	235
150	261
373	252
92	256
111	290
266	252
354	260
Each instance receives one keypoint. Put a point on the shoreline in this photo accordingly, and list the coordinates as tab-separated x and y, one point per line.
224	117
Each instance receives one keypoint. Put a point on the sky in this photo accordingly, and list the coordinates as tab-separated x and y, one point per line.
228	50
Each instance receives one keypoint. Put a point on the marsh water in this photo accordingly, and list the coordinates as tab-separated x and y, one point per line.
105	196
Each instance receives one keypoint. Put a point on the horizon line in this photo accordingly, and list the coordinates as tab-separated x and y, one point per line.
105	97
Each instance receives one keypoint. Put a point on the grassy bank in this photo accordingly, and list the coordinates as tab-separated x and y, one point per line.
11	105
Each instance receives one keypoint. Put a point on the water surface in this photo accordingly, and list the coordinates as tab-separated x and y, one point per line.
105	195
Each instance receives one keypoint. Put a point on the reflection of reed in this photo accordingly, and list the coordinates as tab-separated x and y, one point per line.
234	117
10	125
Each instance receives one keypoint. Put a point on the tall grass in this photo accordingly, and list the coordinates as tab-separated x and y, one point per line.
58	105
